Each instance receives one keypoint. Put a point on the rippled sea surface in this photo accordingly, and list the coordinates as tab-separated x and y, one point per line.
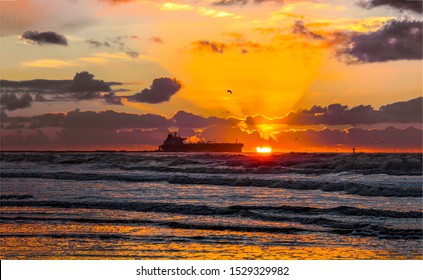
210	206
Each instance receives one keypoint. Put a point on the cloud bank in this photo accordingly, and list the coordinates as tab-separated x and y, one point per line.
20	94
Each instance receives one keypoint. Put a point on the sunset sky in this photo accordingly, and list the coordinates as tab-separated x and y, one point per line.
305	75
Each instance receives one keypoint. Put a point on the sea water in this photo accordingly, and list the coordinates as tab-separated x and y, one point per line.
210	206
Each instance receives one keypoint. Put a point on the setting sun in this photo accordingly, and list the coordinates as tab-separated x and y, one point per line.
264	150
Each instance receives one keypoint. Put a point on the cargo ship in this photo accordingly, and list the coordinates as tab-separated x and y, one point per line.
175	143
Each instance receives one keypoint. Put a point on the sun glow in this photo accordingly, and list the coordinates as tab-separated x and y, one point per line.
264	150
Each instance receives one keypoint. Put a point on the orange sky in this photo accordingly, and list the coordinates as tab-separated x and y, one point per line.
275	57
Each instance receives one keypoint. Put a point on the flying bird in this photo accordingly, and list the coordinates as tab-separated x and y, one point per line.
230	91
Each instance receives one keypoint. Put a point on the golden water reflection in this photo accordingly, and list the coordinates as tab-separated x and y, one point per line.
76	241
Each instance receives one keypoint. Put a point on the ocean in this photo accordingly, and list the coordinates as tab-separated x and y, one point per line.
173	206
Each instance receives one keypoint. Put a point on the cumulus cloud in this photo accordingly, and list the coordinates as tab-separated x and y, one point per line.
42	38
337	114
410	5
160	91
84	82
300	28
396	40
11	101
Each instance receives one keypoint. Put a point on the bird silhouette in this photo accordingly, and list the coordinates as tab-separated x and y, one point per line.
230	91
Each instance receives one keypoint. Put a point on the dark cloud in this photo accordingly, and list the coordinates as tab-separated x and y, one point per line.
11	101
406	111
96	120
299	28
78	138
336	114
396	40
37	140
20	94
183	119
410	5
42	38
34	86
111	98
84	82
232	134
160	91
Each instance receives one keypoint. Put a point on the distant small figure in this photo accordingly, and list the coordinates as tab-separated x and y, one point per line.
230	91
353	149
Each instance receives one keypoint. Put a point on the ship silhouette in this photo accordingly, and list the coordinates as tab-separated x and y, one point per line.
175	143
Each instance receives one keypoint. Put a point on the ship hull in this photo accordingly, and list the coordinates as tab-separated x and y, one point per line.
204	147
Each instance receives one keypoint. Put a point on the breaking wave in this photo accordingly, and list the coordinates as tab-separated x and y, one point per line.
300	215
347	187
306	163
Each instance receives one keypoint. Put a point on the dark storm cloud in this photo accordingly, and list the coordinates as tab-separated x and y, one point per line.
411	5
11	101
396	40
299	28
42	38
160	91
337	114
